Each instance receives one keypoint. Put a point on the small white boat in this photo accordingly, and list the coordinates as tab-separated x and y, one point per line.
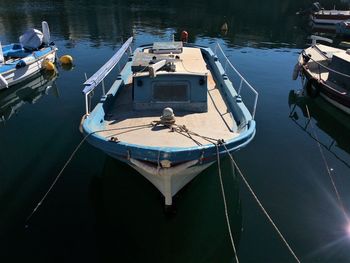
327	71
23	60
171	112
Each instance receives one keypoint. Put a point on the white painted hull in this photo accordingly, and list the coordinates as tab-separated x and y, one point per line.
170	183
18	75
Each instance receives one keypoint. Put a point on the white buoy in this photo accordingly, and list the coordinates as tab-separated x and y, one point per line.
46	32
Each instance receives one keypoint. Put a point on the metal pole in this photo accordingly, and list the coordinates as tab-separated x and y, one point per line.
103	88
86	104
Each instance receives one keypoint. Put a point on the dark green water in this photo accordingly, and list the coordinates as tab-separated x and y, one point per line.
103	211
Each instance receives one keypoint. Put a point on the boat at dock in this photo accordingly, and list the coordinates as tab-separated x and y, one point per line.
327	73
171	112
22	60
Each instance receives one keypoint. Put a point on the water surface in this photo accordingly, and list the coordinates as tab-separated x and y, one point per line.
102	211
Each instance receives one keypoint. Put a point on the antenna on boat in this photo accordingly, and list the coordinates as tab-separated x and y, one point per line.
2	59
46	32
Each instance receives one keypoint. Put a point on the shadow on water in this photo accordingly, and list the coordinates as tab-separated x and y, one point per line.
29	91
328	119
130	217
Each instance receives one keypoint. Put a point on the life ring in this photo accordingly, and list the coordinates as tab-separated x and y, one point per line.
312	88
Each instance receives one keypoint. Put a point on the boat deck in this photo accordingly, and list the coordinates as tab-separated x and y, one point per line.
132	126
322	54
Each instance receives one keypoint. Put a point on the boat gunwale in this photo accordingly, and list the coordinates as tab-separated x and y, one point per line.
13	68
174	154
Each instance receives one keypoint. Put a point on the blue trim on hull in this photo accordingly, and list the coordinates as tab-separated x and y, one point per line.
176	155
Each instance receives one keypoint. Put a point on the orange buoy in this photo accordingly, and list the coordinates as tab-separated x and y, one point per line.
184	36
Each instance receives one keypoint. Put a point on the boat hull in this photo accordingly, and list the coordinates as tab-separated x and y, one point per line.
330	17
16	75
170	167
335	98
169	181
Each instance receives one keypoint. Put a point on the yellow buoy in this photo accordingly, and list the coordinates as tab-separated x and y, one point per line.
224	27
48	65
66	59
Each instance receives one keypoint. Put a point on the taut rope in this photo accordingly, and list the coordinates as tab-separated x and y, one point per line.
261	206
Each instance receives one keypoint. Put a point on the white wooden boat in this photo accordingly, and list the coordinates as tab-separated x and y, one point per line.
23	60
170	114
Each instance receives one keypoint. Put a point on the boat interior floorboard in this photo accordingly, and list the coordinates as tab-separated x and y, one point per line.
132	126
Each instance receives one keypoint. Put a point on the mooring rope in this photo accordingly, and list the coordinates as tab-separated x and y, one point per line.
261	206
225	205
66	164
182	128
327	168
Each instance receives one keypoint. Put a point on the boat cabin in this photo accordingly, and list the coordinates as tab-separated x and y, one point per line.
168	75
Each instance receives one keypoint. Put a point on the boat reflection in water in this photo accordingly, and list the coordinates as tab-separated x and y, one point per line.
28	91
328	119
130	227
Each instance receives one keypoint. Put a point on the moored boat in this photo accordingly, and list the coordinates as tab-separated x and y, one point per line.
330	17
22	60
327	73
170	113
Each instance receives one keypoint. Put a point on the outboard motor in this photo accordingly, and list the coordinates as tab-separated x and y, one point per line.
32	39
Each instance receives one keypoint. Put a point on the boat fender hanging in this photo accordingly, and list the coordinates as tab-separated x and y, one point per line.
184	36
3	82
306	58
312	88
48	65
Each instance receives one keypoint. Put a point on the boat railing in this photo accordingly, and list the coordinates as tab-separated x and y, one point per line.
236	77
91	83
